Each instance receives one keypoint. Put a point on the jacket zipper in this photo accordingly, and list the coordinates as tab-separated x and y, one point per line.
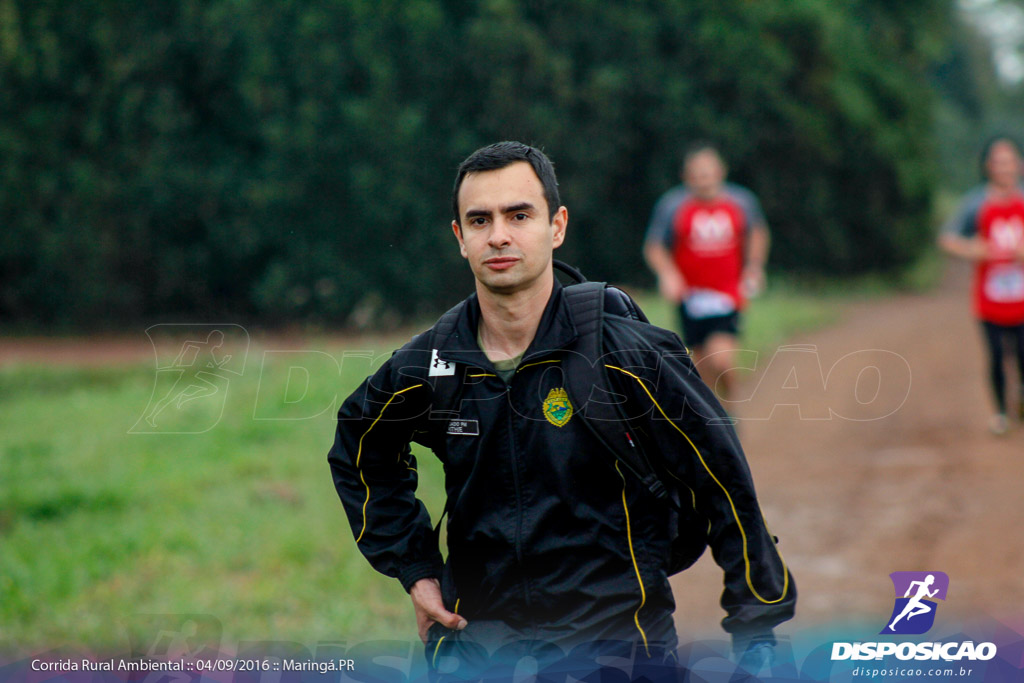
519	501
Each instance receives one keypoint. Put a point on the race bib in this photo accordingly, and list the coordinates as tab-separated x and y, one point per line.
1005	283
705	303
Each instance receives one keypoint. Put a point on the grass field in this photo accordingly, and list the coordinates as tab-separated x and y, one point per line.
100	527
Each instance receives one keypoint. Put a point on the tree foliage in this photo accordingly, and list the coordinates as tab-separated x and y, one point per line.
974	102
291	160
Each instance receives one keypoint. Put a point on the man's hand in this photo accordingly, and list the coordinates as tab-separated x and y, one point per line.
754	654
757	657
672	286
426	600
753	281
970	248
671	283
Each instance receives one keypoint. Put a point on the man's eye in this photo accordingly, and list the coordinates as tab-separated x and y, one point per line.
521	216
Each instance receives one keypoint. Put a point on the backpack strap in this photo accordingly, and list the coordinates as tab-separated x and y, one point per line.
445	325
606	421
586	306
564	267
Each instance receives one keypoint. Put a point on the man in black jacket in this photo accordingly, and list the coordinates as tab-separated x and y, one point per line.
552	545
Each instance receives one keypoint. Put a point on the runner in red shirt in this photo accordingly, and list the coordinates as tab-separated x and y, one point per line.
707	242
988	229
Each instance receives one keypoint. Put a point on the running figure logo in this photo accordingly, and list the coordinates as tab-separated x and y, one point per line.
190	386
914	613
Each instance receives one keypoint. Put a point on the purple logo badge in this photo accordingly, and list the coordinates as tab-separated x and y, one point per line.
914	612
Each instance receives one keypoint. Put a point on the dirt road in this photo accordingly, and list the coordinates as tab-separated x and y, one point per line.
923	488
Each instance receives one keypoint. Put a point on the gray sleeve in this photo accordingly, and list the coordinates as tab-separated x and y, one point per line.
964	221
750	204
659	229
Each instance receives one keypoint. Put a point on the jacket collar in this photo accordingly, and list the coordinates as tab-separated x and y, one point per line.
555	331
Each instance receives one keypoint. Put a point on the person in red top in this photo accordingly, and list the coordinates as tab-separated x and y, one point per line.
707	242
988	229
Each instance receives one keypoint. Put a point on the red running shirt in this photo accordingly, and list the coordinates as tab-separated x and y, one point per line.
999	281
708	245
707	238
998	291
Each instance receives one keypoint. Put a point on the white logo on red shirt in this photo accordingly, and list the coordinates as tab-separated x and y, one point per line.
1006	234
711	230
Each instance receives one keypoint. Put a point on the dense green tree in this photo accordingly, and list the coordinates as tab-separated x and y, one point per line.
974	103
291	159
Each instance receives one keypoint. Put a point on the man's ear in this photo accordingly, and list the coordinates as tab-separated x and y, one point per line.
458	235
558	225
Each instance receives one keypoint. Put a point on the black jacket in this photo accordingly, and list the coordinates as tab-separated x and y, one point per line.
547	535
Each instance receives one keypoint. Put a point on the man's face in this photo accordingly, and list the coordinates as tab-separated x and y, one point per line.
704	174
1003	165
506	235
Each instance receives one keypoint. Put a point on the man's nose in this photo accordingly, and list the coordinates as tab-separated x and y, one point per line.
501	234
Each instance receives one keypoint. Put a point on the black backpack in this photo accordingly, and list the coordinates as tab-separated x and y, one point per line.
589	303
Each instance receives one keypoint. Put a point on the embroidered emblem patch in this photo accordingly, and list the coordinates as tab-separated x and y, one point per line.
557	408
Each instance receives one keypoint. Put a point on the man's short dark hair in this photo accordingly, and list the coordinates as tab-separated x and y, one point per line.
986	149
700	147
502	154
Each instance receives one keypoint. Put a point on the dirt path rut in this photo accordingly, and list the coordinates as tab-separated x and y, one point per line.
923	486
